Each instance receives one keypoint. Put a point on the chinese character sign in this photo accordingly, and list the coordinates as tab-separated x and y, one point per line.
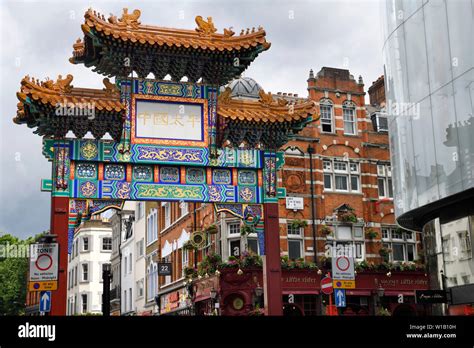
169	120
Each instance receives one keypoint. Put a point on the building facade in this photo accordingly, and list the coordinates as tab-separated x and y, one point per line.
337	176
429	75
91	253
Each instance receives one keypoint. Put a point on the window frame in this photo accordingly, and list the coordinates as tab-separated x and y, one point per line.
326	103
345	107
334	168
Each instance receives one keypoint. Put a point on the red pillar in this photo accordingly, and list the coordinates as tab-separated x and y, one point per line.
272	262
59	227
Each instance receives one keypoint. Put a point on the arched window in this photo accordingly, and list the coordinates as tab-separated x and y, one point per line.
349	117
327	119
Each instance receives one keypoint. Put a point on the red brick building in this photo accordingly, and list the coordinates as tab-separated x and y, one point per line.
339	195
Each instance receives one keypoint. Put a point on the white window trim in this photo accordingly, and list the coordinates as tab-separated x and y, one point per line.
331	105
350	106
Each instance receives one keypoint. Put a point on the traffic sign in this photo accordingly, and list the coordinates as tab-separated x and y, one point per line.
340	297
44	262
326	285
343	268
344	284
45	301
40	286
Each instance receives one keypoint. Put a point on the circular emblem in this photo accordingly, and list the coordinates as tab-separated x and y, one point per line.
238	303
89	150
88	189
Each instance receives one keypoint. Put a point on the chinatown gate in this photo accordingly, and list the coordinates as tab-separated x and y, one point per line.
171	140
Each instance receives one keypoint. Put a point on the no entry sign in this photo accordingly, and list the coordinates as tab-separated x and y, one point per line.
43	262
326	285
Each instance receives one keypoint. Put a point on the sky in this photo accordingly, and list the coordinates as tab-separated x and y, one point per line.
37	38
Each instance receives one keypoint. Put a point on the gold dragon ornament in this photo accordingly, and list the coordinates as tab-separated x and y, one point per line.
205	28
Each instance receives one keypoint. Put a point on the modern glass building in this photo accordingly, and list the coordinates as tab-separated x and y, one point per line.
429	79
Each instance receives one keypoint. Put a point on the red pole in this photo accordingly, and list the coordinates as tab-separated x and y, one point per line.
272	262
59	227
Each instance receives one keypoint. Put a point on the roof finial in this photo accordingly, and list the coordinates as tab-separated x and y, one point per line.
311	74
205	28
361	82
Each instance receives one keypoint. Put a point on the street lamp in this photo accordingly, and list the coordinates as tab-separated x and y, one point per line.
258	294
213	294
215	305
258	291
380	294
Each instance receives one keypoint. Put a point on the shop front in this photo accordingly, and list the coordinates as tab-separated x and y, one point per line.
175	302
375	293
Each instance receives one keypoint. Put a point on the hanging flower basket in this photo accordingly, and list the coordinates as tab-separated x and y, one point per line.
189	246
212	229
384	252
299	223
348	217
371	233
246	229
326	231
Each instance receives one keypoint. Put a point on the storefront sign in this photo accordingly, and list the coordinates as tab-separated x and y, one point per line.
430	296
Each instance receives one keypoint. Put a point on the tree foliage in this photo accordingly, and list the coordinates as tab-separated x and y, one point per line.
13	276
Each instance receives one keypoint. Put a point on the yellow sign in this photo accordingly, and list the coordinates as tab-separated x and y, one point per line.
344	284
41	286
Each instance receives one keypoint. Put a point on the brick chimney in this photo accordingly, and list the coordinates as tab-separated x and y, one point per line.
377	92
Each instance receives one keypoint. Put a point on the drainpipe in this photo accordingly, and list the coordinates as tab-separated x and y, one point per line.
313	205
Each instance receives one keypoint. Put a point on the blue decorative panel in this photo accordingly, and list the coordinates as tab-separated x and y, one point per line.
221	176
195	175
87	189
86	171
169	174
247	194
114	172
247	177
142	173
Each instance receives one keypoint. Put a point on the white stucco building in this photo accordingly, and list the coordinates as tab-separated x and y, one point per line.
139	229
91	251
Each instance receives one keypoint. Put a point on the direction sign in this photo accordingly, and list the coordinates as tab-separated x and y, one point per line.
340	297
45	301
40	286
343	268
43	262
326	285
344	284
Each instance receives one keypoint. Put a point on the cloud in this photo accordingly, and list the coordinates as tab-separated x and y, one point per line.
37	38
